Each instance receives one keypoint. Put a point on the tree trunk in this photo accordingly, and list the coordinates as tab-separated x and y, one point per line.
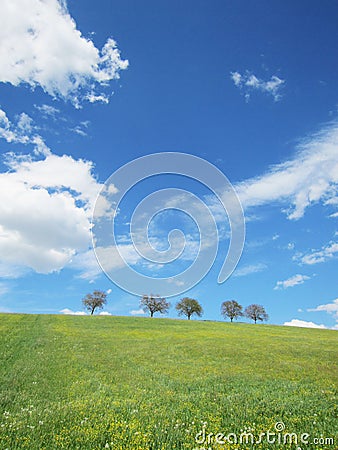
151	313
231	318
255	320
188	316
92	312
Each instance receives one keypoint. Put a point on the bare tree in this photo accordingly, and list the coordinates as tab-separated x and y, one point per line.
154	304
93	301
231	309
188	306
256	312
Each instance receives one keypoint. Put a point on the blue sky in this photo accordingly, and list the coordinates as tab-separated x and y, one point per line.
248	86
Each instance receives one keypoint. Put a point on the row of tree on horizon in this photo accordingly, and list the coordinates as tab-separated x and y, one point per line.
185	307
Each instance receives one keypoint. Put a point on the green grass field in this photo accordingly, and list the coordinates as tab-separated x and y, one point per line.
124	383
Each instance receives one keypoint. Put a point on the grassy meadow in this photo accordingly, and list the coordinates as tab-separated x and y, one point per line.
73	382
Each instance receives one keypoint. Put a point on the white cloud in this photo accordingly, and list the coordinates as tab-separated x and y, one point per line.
151	257
40	45
109	291
249	83
69	312
86	263
236	78
332	201
80	130
250	269
137	312
330	308
47	200
11	270
291	282
308	178
21	132
303	324
46	204
109	256
105	313
176	282
92	98
318	256
47	110
90	269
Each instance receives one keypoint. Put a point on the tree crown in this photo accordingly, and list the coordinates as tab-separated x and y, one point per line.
189	306
256	312
154	303
95	300
231	309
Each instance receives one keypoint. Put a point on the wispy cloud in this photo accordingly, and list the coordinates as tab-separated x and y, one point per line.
79	130
21	131
291	282
326	253
47	111
137	312
249	269
248	83
307	179
35	36
330	308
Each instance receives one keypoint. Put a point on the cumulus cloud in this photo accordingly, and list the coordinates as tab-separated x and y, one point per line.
303	324
291	282
40	45
46	204
249	269
248	83
330	308
308	178
326	253
70	312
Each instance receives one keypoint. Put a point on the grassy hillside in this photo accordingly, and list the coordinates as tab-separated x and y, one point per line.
135	383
